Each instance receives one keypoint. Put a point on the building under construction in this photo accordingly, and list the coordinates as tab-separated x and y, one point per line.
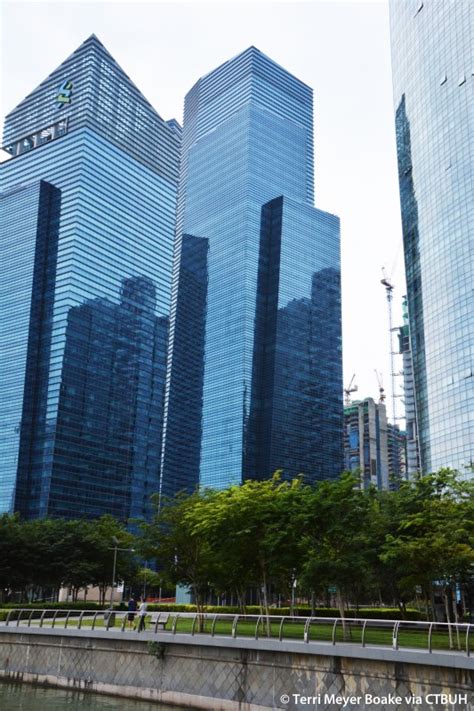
412	449
372	446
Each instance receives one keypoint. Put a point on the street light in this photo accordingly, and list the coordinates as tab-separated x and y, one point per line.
144	580
115	549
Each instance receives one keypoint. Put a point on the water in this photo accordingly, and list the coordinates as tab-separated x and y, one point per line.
26	697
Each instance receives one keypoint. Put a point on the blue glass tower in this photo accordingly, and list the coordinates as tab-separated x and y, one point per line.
433	80
89	200
254	380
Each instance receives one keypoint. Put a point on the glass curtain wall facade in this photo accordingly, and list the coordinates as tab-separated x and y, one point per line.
29	225
97	393
256	280
433	82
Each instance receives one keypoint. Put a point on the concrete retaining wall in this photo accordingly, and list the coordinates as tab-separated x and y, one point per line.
244	675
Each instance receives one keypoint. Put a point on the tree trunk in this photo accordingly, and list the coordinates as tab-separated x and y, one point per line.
455	611
402	608
265	604
448	617
199	600
241	601
102	591
342	613
463	601
433	606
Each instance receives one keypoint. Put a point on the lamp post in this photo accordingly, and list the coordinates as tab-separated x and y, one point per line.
115	549
144	580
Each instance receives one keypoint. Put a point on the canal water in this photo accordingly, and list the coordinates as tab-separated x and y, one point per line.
26	697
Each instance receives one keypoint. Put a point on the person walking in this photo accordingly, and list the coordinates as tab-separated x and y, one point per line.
132	610
142	610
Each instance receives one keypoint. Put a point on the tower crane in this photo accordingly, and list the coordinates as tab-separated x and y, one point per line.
389	287
350	389
381	387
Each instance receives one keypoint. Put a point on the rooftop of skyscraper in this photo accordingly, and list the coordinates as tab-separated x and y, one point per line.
89	89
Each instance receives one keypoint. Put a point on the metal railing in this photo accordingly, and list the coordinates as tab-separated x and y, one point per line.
394	634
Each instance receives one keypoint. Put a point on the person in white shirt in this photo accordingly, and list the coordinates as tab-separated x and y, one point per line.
142	610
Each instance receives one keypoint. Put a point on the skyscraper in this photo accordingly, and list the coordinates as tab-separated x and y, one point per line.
366	447
433	83
254	380
89	198
397	454
412	449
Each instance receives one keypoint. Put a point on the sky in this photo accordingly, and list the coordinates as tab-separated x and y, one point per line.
341	49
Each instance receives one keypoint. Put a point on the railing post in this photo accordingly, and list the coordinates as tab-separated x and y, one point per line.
122	627
93	621
468	632
213	625
395	635
42	618
306	630
156	622
334	630
29	618
18	618
430	637
280	632
363	632
175	622
67	618
257	625
234	626
79	624
7	621
110	617
53	621
194	623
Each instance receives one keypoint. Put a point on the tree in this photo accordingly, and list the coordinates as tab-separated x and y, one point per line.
339	544
433	543
182	552
99	538
253	533
12	567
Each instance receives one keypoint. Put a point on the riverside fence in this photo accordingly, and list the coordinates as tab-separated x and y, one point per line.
456	638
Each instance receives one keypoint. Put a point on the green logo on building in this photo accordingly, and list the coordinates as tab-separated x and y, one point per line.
64	94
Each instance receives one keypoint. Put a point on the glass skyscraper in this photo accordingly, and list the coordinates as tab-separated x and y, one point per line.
254	379
433	79
88	214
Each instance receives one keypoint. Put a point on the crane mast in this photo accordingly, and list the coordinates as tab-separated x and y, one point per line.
389	295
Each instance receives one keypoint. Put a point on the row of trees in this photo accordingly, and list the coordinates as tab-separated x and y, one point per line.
44	554
367	545
273	536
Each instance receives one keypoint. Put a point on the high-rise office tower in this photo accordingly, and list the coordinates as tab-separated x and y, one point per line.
433	84
88	211
254	380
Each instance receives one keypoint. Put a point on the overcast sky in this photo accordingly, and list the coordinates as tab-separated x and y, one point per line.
341	49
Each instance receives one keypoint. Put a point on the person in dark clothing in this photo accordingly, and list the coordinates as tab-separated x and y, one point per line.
132	609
